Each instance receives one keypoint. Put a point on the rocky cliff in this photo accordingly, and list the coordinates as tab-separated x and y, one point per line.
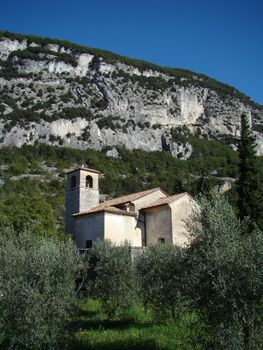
64	94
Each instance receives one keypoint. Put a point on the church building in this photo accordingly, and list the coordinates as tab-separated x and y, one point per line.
142	218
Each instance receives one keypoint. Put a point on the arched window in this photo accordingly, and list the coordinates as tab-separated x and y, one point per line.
89	181
73	181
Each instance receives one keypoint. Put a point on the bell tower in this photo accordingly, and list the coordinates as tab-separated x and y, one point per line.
82	194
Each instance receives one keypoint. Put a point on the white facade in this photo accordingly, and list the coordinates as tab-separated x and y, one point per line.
141	219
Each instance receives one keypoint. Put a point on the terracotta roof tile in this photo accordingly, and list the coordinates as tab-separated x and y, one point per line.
109	205
165	200
130	197
109	209
84	169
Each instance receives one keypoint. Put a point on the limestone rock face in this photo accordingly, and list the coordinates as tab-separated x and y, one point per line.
80	98
7	46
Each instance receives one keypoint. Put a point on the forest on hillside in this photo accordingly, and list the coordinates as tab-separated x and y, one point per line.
33	177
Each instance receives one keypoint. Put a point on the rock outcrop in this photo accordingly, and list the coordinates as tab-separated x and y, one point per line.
62	94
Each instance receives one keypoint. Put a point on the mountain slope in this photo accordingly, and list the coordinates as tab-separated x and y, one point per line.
59	93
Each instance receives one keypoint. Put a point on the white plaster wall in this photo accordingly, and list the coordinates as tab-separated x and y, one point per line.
89	227
158	225
121	228
181	210
144	201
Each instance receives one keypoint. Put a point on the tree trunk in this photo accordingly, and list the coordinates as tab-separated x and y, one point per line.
247	332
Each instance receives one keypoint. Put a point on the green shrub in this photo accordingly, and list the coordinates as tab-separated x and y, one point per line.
36	288
160	270
224	269
24	117
30	209
258	127
101	104
76	112
52	138
86	133
113	281
109	122
36	54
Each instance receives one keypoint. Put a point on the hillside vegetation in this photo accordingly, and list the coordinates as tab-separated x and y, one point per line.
33	177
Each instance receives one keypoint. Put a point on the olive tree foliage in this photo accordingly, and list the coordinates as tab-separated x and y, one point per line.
160	270
37	282
111	277
225	275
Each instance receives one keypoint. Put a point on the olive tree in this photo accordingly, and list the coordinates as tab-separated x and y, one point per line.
36	288
112	279
225	275
160	270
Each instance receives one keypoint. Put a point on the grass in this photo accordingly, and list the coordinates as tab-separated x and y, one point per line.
93	330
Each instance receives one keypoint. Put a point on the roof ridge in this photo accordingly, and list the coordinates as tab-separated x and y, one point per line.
109	209
125	198
166	200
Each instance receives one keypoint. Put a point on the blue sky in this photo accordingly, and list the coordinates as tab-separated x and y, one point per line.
220	38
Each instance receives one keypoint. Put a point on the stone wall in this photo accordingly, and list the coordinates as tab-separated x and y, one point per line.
80	198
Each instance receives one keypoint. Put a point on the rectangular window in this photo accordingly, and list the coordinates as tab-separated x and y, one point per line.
161	240
89	244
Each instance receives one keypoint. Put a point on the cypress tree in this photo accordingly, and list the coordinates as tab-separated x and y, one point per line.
248	185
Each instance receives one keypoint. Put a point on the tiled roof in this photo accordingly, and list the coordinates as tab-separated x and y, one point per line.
109	209
109	206
165	200
130	197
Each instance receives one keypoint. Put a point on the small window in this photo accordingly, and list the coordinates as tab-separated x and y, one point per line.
161	240
89	181
73	181
89	244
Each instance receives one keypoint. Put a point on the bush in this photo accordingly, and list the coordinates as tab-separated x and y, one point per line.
113	281
225	276
29	210
76	112
160	270
109	122
36	287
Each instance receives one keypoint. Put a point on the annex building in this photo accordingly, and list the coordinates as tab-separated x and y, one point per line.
141	218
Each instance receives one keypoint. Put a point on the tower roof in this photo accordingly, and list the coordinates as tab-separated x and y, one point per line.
84	169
